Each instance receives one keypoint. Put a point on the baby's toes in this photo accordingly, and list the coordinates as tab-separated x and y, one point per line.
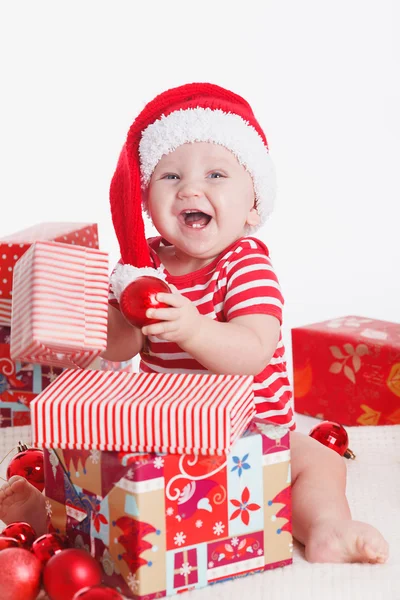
375	551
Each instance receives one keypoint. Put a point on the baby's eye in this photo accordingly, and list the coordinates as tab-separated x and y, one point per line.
170	176
216	175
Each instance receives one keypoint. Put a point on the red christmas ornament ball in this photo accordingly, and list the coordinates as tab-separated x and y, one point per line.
8	542
20	573
47	545
28	463
98	592
22	532
69	571
334	436
139	296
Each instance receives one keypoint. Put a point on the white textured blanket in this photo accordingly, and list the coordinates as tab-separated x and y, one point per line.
374	495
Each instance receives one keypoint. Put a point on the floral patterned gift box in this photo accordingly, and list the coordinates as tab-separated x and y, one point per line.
164	522
348	370
160	524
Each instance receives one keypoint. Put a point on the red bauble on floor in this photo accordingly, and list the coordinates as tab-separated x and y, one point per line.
22	532
47	545
20	574
28	463
139	296
68	571
8	542
334	436
98	592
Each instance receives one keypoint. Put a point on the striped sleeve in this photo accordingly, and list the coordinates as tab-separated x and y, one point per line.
252	285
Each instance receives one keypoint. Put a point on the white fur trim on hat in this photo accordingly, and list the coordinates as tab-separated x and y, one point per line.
123	275
206	125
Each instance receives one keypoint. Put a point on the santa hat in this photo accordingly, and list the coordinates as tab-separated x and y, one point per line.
196	112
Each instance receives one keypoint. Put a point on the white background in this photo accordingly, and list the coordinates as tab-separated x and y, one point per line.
323	80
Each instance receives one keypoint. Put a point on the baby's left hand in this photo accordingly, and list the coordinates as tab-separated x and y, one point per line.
178	323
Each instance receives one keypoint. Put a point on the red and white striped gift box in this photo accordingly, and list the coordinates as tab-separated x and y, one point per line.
60	305
13	246
143	412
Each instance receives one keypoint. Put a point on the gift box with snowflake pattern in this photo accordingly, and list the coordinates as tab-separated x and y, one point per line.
348	370
163	523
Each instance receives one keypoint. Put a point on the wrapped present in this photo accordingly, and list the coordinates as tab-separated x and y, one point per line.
19	384
160	524
12	247
152	412
60	305
348	370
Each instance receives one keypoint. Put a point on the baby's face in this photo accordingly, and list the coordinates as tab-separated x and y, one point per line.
200	199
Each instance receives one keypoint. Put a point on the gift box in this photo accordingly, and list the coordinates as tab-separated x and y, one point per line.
20	381
153	412
206	497
160	524
12	247
19	384
60	305
348	370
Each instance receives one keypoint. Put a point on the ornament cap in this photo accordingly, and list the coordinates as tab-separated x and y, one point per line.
349	454
22	447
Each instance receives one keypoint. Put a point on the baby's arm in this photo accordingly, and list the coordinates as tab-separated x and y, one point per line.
124	340
244	345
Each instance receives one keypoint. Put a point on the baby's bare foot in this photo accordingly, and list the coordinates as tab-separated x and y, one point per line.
20	501
338	541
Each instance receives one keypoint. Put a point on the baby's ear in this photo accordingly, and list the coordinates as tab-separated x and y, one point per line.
253	218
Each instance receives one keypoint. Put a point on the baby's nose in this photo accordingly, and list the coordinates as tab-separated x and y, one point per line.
189	190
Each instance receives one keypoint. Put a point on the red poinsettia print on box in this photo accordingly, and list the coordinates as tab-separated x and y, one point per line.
244	507
195	499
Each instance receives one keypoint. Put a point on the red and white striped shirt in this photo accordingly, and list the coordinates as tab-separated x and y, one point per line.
240	281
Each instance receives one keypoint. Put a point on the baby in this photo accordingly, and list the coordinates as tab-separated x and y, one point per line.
198	162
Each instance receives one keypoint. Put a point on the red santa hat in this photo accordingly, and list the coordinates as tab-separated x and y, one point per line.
196	112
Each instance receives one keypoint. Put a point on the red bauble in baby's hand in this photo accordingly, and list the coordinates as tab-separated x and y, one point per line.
139	296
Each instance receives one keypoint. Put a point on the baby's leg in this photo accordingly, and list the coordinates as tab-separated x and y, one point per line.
321	514
20	501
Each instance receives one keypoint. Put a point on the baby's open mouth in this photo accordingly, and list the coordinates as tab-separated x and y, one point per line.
195	218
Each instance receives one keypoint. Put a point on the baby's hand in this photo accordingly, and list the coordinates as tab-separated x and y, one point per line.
178	323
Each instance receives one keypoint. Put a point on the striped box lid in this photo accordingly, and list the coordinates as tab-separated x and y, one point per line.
143	412
60	305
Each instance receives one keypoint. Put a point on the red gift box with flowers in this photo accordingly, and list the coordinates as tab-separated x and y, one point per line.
215	504
348	370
